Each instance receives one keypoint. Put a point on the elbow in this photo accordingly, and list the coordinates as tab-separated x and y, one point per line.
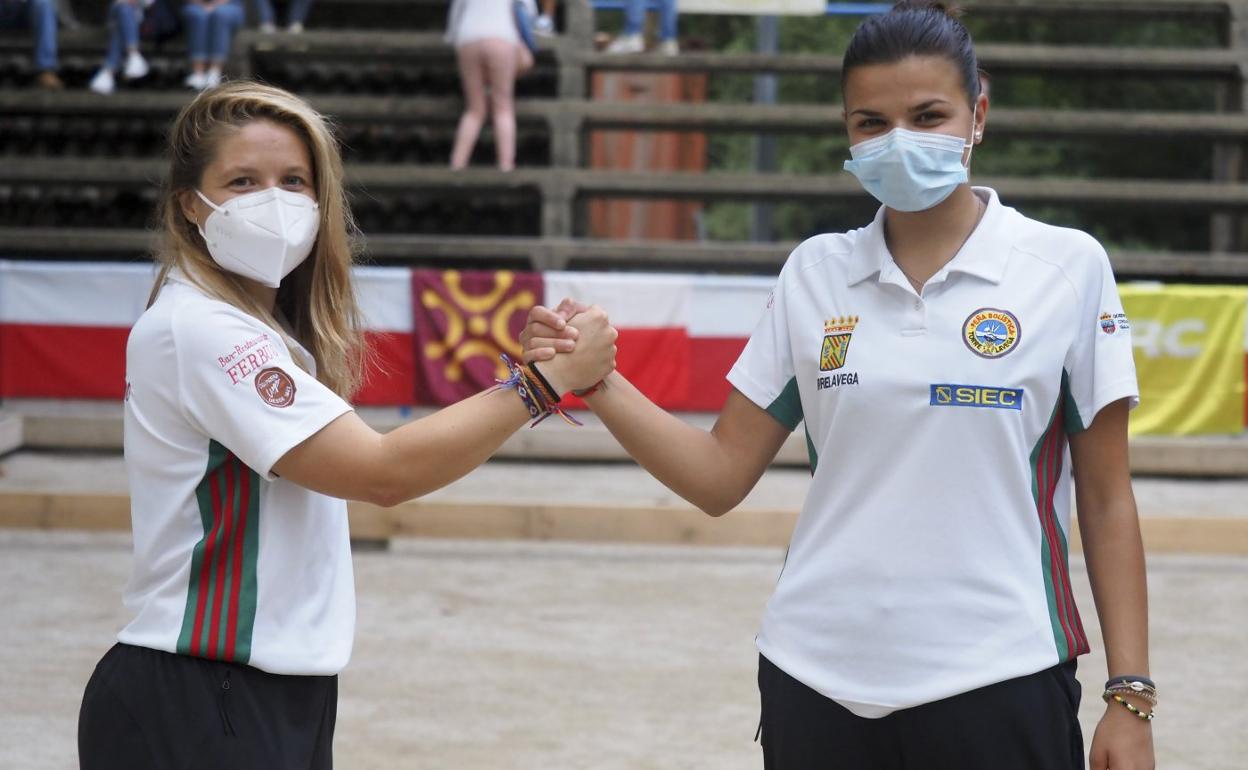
718	505
387	492
385	498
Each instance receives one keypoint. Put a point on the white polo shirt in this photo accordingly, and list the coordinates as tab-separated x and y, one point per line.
230	562
930	557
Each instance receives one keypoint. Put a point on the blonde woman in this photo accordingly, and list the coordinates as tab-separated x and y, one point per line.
241	448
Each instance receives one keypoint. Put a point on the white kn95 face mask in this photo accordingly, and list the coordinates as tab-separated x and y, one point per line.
262	235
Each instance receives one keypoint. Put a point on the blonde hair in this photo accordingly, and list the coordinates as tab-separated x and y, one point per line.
317	298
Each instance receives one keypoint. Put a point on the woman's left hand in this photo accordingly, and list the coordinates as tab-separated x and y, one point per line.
1122	741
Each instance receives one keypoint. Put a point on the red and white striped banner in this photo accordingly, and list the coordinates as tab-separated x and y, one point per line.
63	327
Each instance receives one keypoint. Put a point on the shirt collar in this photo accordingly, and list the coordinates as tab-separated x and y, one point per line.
984	254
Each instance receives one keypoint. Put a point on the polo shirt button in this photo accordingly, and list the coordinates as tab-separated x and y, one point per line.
918	304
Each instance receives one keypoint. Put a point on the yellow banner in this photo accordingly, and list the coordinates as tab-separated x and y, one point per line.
1189	355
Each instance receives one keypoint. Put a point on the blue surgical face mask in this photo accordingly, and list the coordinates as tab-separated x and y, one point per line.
910	170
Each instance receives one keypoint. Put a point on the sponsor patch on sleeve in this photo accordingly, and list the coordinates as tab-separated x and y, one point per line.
982	396
275	387
1112	322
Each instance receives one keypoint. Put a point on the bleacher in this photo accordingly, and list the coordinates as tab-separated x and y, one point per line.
76	169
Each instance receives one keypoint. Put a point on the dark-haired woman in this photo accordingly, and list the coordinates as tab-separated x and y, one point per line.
955	364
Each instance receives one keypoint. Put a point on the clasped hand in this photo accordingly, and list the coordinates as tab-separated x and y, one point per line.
574	342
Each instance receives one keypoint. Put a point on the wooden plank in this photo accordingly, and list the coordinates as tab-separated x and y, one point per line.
715	116
1148	9
11	437
677	524
998	57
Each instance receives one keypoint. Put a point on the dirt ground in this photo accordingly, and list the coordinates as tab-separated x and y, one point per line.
540	655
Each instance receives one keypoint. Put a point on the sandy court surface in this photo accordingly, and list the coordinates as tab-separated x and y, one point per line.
542	655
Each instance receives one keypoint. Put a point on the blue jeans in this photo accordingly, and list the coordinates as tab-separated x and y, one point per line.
40	17
209	33
635	18
124	33
296	13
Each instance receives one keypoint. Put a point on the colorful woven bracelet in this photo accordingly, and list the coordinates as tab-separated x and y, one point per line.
546	395
1146	716
529	389
545	383
516	381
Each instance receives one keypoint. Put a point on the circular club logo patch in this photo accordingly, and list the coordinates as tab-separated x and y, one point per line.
275	387
991	333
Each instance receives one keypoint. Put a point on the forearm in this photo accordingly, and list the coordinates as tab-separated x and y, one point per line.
429	453
686	459
1114	553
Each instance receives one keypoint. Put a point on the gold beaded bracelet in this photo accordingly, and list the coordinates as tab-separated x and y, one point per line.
1146	716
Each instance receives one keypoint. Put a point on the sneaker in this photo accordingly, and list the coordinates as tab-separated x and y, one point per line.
197	81
212	78
136	66
103	82
295	28
544	26
49	81
627	44
669	47
268	28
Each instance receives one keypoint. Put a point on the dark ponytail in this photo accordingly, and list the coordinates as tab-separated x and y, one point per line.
915	28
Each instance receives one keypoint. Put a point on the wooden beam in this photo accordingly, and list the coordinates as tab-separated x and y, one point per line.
734	256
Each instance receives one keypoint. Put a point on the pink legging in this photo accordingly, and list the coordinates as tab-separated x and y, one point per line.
488	67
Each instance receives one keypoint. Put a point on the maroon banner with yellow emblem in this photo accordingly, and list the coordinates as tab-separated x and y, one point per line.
463	321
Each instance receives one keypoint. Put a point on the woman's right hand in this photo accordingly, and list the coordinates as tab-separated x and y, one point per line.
593	357
547	333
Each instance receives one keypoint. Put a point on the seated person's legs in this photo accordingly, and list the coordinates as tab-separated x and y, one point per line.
298	14
124	18
264	14
40	17
196	17
223	22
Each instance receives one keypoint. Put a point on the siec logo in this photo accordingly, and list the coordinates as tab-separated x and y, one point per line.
982	396
991	333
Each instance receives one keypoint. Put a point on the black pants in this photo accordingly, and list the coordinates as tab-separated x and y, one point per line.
1029	723
148	709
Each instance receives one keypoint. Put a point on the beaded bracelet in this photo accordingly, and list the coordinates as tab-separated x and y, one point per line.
1146	716
1124	688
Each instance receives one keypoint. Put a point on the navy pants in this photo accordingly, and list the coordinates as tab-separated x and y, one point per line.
150	710
1029	723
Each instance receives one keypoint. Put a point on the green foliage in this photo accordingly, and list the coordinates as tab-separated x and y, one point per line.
998	156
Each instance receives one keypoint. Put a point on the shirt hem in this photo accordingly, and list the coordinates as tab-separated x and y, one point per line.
1115	391
750	388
